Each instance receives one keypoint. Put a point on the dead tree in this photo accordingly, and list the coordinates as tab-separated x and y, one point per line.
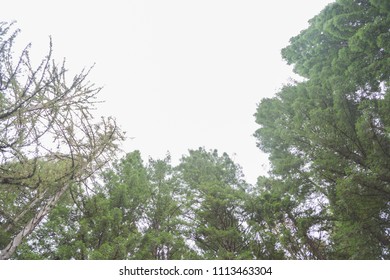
49	140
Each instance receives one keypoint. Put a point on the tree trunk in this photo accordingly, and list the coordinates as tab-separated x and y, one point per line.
8	251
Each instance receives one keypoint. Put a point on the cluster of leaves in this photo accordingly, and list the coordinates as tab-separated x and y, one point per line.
329	137
195	210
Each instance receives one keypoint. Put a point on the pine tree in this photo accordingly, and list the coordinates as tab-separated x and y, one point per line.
328	136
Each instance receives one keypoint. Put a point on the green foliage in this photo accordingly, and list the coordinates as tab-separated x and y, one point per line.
328	135
217	194
134	214
163	222
154	211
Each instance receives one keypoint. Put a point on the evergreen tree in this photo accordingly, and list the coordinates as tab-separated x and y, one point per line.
328	136
164	224
216	194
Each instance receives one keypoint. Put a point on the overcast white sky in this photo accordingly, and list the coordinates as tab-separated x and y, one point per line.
177	74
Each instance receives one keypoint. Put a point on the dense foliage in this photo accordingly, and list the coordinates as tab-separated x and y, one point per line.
151	211
329	136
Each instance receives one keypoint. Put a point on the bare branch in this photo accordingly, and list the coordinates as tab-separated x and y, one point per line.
49	139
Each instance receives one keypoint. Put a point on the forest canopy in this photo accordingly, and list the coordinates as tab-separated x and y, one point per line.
65	195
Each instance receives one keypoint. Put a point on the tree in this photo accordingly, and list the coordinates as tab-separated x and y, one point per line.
164	225
328	136
216	194
148	197
49	140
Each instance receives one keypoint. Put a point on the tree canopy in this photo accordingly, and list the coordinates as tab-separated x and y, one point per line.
328	136
152	211
64	194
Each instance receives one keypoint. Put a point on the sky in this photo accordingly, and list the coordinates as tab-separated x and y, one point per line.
177	74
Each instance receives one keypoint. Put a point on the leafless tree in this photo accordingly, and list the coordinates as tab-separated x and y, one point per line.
49	139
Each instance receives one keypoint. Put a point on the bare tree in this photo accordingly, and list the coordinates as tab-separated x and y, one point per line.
49	139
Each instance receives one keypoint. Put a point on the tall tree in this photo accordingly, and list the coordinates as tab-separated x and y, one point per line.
164	224
49	139
328	136
216	192
113	216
